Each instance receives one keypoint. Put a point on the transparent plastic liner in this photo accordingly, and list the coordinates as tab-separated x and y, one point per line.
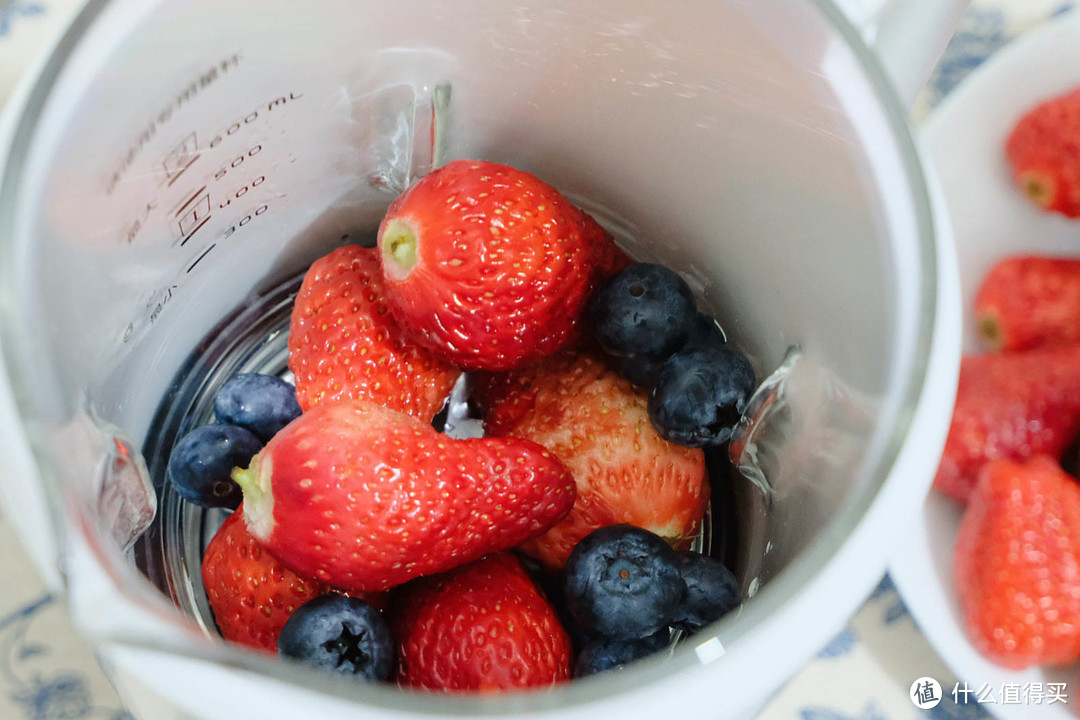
170	551
254	340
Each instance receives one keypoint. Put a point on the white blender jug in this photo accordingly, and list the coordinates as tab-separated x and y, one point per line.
174	165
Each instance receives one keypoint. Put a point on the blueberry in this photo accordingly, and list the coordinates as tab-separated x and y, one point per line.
641	371
602	654
700	395
201	462
623	582
644	371
339	633
262	404
711	591
704	332
644	310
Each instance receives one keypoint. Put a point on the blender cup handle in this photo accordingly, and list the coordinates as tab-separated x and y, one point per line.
908	36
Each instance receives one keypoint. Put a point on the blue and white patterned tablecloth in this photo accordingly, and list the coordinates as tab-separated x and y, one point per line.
865	673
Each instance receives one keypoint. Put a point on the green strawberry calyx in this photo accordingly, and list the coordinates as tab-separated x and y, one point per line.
258	497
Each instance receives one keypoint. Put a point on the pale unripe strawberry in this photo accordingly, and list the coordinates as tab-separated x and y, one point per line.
598	425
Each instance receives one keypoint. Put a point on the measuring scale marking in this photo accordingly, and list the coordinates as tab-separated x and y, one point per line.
180	158
232	187
185	96
198	205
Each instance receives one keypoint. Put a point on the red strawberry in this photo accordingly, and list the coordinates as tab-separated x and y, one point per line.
250	592
1043	151
365	498
486	265
607	257
598	424
343	343
1017	564
483	627
1010	405
1028	301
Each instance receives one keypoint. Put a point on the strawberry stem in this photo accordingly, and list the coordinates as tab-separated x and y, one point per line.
258	497
248	482
1037	187
399	247
991	331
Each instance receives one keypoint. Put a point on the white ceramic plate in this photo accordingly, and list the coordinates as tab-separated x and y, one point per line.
964	139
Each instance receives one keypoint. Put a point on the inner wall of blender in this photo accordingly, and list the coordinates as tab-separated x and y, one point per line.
254	339
197	172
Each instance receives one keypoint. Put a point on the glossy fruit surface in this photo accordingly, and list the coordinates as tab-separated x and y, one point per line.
1017	564
260	403
481	627
623	582
251	593
712	591
644	371
365	498
342	634
1010	406
602	654
487	266
700	395
705	332
344	344
201	463
644	310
